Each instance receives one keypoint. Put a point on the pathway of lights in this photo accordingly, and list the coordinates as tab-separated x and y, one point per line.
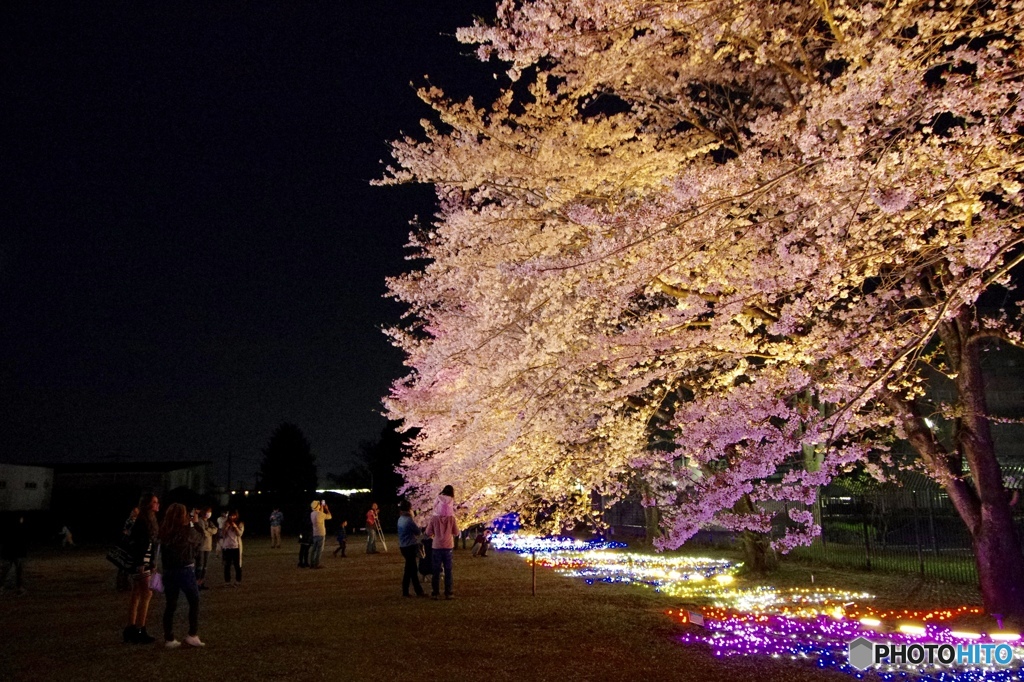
814	624
660	572
524	544
825	639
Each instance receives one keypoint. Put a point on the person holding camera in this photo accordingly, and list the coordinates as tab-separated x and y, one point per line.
208	529
276	518
410	547
231	547
318	518
180	541
372	525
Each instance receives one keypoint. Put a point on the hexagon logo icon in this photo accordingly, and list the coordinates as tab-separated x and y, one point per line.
862	653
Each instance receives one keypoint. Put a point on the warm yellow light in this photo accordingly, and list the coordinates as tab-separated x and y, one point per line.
837	613
870	622
696	577
1004	636
912	629
724	579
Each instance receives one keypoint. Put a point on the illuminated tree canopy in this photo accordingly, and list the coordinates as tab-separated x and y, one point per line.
692	242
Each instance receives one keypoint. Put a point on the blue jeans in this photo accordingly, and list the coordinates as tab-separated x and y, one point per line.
318	549
176	581
441	557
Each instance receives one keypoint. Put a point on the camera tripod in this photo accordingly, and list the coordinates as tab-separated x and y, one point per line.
380	533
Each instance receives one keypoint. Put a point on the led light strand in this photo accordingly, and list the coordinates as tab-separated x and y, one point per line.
813	624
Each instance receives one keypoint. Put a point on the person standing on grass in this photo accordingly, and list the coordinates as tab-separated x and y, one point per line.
205	526
231	547
179	544
15	549
305	541
221	520
318	518
443	528
65	537
144	538
372	518
409	546
342	539
276	517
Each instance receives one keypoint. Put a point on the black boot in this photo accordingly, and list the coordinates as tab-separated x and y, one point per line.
143	637
130	634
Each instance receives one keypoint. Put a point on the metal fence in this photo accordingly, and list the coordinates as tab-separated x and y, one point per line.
891	529
907	531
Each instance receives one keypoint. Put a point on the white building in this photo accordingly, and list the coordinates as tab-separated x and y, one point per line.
25	488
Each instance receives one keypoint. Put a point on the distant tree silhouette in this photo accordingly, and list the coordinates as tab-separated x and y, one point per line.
384	457
289	466
376	462
358	475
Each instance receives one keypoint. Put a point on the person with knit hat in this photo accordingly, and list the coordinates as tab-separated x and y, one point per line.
443	528
318	517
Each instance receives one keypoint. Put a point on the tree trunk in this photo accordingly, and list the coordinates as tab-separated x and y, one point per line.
758	556
979	497
997	548
652	524
1000	567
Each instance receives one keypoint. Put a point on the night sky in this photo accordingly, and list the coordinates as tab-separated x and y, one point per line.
190	251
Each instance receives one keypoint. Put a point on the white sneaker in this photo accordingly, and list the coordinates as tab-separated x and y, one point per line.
193	640
172	644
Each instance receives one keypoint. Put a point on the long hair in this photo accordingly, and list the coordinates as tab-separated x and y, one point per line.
175	525
148	516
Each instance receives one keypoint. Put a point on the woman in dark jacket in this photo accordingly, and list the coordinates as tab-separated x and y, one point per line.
144	532
179	543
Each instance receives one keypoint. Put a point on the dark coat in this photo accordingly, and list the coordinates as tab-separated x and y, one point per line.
15	541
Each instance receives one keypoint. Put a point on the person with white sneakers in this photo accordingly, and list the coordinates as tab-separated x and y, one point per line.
179	543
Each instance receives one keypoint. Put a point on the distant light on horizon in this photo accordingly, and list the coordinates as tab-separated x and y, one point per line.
352	491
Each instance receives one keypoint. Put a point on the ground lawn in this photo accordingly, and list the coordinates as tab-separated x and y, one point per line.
350	622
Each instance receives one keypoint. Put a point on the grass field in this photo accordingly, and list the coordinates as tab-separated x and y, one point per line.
350	622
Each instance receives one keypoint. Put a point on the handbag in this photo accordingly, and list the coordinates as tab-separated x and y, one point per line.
122	554
156	582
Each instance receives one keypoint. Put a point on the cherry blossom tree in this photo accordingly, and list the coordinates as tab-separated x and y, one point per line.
714	247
